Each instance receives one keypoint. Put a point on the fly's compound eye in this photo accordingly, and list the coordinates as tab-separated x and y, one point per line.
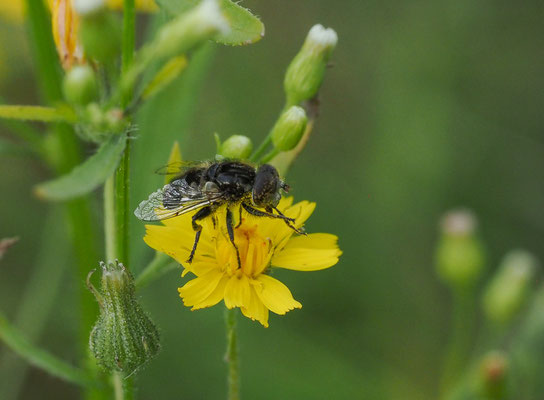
266	188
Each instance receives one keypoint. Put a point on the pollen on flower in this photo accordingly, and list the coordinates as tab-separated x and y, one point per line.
263	243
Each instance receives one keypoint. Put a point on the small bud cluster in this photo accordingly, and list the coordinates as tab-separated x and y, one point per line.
124	338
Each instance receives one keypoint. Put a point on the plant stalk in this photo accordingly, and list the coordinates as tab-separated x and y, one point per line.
231	357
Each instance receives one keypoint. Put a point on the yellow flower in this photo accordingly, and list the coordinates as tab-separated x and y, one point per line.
262	243
65	30
65	23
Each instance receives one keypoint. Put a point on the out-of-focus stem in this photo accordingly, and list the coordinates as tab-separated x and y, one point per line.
231	357
460	343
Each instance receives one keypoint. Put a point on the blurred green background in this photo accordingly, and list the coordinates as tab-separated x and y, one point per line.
428	105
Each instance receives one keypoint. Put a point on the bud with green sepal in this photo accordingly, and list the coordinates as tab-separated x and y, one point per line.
79	85
237	147
307	70
493	376
124	338
100	31
459	255
509	289
289	128
201	23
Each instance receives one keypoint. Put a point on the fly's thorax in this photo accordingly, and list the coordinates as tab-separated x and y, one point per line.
266	189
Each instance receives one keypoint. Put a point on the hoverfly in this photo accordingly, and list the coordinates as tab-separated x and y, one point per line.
207	185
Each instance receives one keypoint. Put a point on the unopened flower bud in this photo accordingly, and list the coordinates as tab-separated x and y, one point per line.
65	25
305	73
79	85
493	374
100	31
124	338
88	7
237	147
459	256
509	289
185	31
289	128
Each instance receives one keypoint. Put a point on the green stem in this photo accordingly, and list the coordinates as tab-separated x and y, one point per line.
271	154
460	344
262	148
160	265
109	219
37	113
40	358
129	33
232	355
116	189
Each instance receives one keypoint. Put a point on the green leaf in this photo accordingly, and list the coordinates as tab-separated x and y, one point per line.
246	28
40	358
38	113
87	176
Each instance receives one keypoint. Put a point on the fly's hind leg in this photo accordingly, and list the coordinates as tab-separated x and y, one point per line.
201	214
230	230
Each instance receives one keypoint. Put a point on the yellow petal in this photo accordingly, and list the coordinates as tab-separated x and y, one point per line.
215	297
237	292
177	243
199	289
256	311
275	295
308	253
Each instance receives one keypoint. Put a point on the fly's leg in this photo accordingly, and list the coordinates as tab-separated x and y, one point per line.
230	230
201	214
240	218
258	213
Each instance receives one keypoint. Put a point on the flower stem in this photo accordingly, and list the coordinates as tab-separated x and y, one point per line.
460	343
232	355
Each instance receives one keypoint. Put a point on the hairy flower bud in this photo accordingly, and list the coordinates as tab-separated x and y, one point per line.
459	256
236	146
197	25
305	73
289	128
100	31
509	288
79	85
124	338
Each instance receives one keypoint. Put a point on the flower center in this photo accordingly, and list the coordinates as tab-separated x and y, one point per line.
255	252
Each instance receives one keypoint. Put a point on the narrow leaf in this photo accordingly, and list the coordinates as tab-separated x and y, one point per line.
38	113
87	176
246	28
38	357
165	76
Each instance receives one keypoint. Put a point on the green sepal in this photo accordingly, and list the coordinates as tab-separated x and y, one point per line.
88	175
123	338
246	28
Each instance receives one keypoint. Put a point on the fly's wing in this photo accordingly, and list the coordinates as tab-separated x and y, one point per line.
174	199
179	167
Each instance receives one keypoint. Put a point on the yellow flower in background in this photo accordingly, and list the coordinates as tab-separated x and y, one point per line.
65	26
262	243
11	10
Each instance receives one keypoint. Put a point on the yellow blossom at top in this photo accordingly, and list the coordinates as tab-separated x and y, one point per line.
263	243
65	24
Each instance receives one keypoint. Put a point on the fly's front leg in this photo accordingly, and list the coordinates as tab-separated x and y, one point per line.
258	213
230	230
201	214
